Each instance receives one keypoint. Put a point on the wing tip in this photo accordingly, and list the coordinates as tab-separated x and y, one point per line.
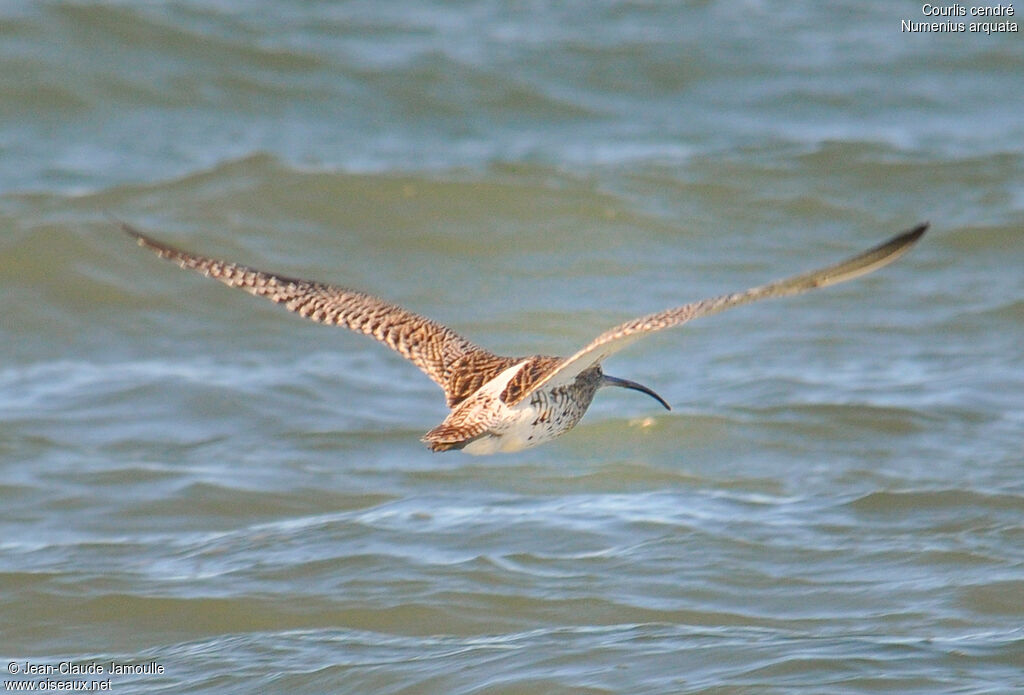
914	234
902	242
125	227
143	240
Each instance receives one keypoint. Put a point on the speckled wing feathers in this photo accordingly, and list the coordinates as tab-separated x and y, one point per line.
615	339
442	354
526	378
473	370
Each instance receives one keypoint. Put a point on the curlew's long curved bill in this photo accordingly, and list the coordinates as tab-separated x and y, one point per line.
617	338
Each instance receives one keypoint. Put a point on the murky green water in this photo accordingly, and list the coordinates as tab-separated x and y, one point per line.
197	480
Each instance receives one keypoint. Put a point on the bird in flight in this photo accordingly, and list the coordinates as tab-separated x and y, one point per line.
503	404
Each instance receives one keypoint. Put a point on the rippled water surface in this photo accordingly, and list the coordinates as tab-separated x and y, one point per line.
196	480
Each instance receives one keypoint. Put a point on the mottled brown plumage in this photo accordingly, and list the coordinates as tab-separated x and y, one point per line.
454	363
502	403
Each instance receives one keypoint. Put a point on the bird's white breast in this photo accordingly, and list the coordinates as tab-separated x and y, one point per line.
538	419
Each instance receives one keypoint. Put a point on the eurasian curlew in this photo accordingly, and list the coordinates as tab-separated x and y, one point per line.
504	403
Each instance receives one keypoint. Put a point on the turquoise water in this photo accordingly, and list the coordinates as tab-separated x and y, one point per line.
198	480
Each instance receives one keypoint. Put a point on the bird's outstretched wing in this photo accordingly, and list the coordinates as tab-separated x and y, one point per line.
432	347
615	339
